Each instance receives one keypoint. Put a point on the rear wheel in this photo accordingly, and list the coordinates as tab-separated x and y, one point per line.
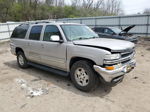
21	60
83	76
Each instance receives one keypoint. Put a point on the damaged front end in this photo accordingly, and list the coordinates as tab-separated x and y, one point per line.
116	67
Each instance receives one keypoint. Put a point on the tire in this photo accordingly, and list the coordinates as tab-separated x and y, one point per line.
21	60
83	76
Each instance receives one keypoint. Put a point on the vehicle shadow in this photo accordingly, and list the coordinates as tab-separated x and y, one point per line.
60	81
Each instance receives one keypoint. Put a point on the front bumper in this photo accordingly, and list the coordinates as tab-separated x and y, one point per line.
134	41
115	75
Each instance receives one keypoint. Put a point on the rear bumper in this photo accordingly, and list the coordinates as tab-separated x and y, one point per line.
114	76
12	49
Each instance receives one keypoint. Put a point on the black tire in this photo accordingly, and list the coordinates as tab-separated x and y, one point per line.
25	62
93	77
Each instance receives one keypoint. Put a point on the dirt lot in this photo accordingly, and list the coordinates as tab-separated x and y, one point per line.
132	95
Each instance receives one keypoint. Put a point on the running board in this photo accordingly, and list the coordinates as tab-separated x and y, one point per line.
49	69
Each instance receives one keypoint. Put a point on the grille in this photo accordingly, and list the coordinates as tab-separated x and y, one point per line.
126	56
127	53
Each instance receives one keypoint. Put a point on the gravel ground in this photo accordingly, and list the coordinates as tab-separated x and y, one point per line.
132	95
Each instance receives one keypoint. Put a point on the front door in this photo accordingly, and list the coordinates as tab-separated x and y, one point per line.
53	53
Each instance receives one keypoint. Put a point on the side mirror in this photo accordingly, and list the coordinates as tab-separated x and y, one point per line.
56	38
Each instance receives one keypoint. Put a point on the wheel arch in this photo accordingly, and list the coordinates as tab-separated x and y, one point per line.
75	59
18	49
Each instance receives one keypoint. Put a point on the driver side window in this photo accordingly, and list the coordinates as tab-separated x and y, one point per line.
108	31
49	31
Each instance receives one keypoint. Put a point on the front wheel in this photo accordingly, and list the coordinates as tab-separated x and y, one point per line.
83	76
21	60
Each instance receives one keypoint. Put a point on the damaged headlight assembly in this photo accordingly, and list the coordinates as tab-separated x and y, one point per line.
109	59
112	56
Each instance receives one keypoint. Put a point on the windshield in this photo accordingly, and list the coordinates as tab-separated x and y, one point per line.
116	30
78	32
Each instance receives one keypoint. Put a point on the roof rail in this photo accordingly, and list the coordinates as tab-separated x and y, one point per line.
36	22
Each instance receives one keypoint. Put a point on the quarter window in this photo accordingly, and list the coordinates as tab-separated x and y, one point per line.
35	33
49	31
20	31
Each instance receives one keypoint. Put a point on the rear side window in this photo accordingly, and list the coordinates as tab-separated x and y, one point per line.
100	30
35	32
49	31
20	31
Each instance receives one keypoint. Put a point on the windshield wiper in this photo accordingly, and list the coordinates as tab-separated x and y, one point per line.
80	38
93	37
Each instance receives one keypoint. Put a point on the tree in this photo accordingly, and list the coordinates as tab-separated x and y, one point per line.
76	3
5	6
112	7
49	2
25	10
146	11
87	4
98	4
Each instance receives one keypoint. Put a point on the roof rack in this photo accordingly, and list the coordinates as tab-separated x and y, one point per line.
36	22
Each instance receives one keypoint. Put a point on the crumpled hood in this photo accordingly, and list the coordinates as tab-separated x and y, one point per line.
111	44
128	28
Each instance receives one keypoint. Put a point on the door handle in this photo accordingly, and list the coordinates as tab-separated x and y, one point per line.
28	44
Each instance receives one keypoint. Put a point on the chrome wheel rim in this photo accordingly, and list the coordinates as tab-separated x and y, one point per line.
81	77
21	60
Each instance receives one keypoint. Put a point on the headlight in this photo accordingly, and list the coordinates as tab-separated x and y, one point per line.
112	56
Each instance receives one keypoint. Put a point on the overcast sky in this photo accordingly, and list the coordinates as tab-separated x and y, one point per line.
135	6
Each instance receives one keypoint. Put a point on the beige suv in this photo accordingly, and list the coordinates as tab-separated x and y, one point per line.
73	50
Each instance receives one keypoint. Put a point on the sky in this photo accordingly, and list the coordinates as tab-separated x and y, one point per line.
135	6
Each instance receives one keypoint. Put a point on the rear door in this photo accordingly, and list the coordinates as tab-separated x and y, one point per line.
53	53
34	43
99	30
107	33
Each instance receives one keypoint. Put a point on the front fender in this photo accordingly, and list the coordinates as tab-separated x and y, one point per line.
94	54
